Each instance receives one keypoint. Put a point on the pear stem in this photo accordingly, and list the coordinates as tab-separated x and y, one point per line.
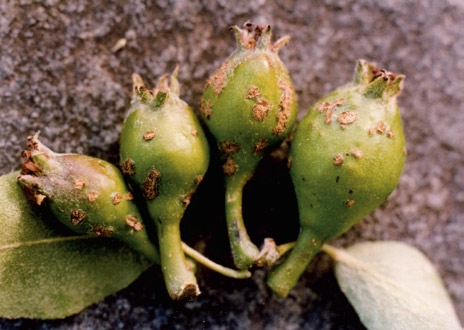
179	278
244	252
284	277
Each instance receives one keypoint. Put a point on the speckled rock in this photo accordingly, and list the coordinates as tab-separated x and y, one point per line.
60	73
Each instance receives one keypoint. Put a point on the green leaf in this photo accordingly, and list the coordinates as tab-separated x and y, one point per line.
392	285
47	272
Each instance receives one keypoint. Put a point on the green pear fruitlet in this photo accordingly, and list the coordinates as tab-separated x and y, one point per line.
346	157
249	105
165	154
88	195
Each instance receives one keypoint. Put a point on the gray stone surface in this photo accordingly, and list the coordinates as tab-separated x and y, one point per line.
58	74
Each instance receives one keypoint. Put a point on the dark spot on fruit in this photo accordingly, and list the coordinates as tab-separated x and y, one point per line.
357	153
347	118
128	167
338	159
260	146
349	203
77	217
92	196
116	198
230	166
148	135
198	179
128	196
350	191
150	186
133	222
79	184
337	178
102	231
218	80
380	128
328	108
229	147
206	108
286	99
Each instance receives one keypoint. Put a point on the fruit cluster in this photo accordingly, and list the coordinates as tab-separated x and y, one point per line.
346	156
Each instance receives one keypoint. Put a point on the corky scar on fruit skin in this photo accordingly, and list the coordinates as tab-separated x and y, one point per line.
230	166
283	114
150	186
79	184
133	222
262	106
260	146
77	217
347	118
206	108
116	198
338	159
148	135
328	108
218	80
350	203
228	147
128	167
101	231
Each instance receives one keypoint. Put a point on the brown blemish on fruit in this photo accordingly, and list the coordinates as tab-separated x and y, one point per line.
349	203
229	147
230	166
347	118
371	131
77	217
79	184
328	108
260	146
261	107
148	135
194	132
116	198
128	196
286	99
380	128
150	186
390	134
133	222
253	92
338	159
405	151
206	108
186	200
92	196
357	153
102	231
198	179
128	167
218	80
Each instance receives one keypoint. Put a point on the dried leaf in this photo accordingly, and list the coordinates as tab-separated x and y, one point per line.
47	272
392	286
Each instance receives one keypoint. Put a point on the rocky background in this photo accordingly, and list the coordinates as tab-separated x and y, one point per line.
60	73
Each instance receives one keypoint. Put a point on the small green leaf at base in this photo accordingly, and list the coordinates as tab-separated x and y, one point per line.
392	285
46	272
